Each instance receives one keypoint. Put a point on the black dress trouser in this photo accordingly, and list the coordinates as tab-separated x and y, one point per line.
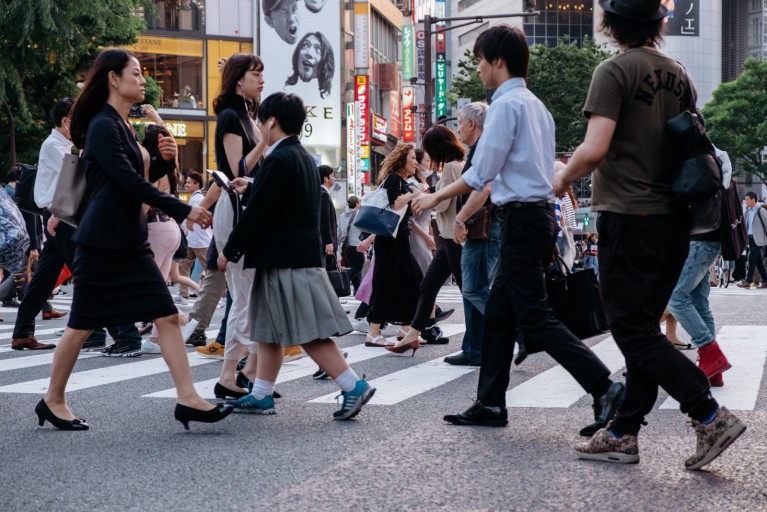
446	261
518	299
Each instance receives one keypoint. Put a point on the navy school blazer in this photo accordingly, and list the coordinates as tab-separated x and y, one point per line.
113	218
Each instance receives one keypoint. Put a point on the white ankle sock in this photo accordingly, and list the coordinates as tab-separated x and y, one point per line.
262	388
347	380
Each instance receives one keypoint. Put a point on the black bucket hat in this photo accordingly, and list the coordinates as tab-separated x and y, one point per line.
640	10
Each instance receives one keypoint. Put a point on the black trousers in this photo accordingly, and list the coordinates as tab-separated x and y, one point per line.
640	259
446	261
755	261
518	299
355	261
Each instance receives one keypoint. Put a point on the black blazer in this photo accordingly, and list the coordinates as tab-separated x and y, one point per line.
113	218
328	222
280	227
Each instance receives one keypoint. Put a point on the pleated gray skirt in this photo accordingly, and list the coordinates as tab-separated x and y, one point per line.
295	306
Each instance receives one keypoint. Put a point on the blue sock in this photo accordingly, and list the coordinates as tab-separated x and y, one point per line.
616	436
710	418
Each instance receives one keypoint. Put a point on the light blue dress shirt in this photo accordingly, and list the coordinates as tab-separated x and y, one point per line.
750	214
516	150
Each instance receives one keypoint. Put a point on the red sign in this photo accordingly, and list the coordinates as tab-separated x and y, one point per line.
361	96
408	118
395	114
379	129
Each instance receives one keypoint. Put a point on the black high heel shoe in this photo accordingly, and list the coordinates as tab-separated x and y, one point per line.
222	392
186	414
44	413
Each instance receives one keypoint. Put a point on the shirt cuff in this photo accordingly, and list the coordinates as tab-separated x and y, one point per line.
471	179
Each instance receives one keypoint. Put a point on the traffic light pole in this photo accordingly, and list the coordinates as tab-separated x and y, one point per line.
430	20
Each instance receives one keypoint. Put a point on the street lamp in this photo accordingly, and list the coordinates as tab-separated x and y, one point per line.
430	20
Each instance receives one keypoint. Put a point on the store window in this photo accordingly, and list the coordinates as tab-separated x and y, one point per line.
180	78
175	15
190	138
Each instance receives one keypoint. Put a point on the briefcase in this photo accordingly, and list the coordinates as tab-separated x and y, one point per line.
339	279
575	299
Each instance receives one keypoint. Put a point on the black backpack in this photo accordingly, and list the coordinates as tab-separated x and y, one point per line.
25	189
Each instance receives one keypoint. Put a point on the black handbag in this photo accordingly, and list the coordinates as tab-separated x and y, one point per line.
25	189
575	299
734	236
339	279
696	172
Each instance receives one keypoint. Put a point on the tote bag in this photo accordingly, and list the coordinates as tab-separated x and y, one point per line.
575	299
376	216
339	278
69	197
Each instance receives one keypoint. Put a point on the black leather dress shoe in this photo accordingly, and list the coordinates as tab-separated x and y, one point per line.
460	360
434	336
442	314
481	416
605	407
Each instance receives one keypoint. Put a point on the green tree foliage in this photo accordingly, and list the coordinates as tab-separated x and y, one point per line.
45	47
736	118
466	83
560	76
152	92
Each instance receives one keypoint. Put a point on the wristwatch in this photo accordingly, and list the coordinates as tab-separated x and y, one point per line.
459	223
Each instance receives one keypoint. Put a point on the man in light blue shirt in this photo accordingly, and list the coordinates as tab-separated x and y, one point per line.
757	239
516	155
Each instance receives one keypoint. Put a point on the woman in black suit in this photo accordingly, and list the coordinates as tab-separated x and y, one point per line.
116	278
286	250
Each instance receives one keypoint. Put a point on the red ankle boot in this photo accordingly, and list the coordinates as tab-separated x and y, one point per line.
717	381
711	360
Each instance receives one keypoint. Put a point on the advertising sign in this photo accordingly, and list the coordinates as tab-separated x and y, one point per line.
408	41
420	47
683	17
408	118
363	102
440	67
351	153
361	36
395	114
379	129
301	52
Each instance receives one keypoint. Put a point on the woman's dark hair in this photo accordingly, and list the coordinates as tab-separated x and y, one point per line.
442	145
352	201
287	109
395	162
151	144
631	33
326	67
61	110
507	43
419	155
95	91
234	69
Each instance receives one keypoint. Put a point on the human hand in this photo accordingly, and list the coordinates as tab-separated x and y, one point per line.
151	113
167	147
222	262
240	185
200	216
423	202
560	184
430	243
34	255
190	225
363	247
460	233
329	249
53	223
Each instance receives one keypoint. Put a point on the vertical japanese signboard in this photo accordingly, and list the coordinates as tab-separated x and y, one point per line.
683	17
395	113
361	36
362	107
420	50
408	59
408	118
352	141
440	74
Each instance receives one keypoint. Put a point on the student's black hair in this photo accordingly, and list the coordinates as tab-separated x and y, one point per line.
61	110
325	172
506	43
287	109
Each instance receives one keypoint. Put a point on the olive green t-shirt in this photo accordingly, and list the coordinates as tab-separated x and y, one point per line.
639	89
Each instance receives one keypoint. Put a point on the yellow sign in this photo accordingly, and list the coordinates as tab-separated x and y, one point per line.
183	129
364	151
167	46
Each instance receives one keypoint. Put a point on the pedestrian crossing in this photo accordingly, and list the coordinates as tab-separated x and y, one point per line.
406	378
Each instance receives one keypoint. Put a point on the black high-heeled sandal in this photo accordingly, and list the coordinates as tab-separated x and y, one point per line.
44	413
222	392
186	414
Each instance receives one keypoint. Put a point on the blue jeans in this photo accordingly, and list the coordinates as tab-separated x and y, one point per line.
221	337
479	266
591	261
689	301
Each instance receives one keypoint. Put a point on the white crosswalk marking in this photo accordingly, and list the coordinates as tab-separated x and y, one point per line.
746	348
18	363
101	376
38	333
556	387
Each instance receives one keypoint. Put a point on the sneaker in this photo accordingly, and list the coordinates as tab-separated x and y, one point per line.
120	349
94	345
292	353
354	400
711	360
197	339
605	447
58	332
213	350
443	314
150	347
11	303
744	284
189	329
193	295
361	326
178	299
250	405
714	438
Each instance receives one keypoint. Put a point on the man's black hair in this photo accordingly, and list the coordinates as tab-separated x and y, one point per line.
287	109
506	43
61	110
751	195
197	178
325	172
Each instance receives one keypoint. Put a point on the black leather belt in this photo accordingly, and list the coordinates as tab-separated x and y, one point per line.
523	204
157	218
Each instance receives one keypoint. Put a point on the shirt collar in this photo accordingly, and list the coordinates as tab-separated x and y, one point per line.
511	83
274	146
60	138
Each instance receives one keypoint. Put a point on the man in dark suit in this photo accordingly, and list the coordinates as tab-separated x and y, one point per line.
328	222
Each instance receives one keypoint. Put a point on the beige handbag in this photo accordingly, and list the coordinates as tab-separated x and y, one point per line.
69	197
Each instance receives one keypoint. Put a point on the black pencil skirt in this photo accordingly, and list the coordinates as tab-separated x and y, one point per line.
117	287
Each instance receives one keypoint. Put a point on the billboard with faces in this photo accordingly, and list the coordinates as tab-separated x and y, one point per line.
300	44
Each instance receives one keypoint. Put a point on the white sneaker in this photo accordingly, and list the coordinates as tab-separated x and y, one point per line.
361	326
188	329
178	299
59	332
150	347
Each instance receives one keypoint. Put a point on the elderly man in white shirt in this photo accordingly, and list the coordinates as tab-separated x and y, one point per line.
197	240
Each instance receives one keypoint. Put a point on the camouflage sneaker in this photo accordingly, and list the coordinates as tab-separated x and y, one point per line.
714	438
603	446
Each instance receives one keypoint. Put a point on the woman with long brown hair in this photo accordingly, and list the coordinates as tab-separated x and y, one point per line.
112	237
396	276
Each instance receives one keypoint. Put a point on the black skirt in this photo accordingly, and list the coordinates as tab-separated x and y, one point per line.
117	288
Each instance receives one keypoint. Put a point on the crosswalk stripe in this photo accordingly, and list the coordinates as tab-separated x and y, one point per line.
746	348
555	387
305	367
40	332
396	387
17	363
6	327
101	376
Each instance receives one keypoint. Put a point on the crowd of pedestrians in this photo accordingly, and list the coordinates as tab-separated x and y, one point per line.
490	220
